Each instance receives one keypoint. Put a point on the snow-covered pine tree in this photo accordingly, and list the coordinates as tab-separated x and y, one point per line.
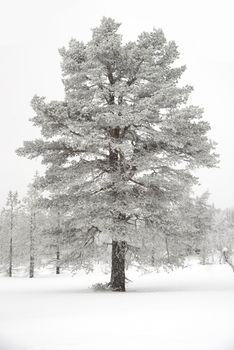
44	226
4	240
202	221
222	234
122	136
53	235
34	219
13	237
12	206
170	233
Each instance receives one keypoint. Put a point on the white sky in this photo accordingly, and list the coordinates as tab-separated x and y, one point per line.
31	31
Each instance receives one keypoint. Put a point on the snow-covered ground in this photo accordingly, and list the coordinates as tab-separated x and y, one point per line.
188	309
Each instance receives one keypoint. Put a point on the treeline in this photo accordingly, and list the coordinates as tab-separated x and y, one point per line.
34	235
30	234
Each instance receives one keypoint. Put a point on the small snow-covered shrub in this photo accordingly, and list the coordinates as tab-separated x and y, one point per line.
100	287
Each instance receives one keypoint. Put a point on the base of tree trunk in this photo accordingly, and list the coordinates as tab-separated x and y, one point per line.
117	282
31	267
10	272
10	258
57	262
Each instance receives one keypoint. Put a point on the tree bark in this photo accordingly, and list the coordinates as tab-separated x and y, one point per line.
10	258
117	282
152	257
31	267
203	255
118	266
58	244
31	259
167	249
11	242
58	261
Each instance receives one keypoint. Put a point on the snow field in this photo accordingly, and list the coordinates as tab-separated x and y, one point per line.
188	309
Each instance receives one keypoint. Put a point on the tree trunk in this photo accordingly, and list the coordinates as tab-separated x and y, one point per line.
153	257
11	242
118	266
58	244
31	267
203	255
10	258
117	282
167	249
31	258
58	261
